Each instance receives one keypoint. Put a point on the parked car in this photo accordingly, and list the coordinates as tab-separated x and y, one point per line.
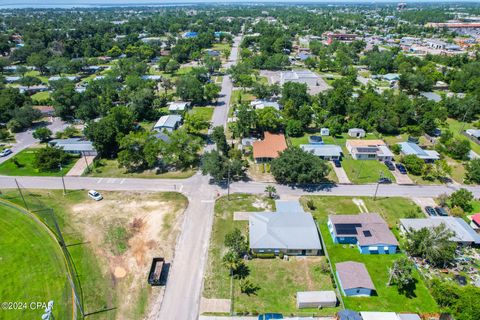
384	180
95	195
5	152
390	165
401	168
337	163
430	211
269	316
441	211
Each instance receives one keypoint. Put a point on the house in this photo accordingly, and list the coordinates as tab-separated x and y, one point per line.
354	279
473	133
463	233
344	37
168	123
289	230
46	111
432	96
356	133
378	315
391	77
57	78
367	230
302	56
436	44
213	53
316	299
261	104
369	150
324	151
269	148
178	106
12	79
348	315
32	89
408	148
75	146
324	132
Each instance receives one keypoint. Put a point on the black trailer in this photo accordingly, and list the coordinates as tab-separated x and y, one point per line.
155	275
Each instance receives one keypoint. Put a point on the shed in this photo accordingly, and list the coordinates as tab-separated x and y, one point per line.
316	299
324	151
356	133
354	279
324	132
379	315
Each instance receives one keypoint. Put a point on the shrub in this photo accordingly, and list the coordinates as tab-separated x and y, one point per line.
267	255
310	204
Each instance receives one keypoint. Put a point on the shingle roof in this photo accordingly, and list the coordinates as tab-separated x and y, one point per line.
270	146
368	228
365	143
463	232
288	228
354	275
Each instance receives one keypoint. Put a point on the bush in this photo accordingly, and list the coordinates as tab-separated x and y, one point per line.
268	255
414	164
396	148
14	126
294	128
310	204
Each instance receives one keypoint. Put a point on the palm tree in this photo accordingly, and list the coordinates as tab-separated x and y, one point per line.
271	190
231	261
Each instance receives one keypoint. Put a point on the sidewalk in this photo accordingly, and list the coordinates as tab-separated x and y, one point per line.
80	166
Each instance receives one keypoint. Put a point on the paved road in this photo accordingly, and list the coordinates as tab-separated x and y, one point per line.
25	139
194	185
183	292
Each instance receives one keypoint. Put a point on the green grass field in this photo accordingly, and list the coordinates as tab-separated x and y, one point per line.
26	158
109	168
40	97
32	267
278	281
456	127
388	299
205	113
365	171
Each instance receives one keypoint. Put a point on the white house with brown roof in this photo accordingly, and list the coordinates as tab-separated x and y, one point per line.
369	150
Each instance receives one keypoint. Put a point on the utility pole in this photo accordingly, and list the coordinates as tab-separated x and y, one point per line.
378	185
228	182
63	180
86	162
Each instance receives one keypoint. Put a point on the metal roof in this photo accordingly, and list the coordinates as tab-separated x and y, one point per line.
463	232
323	150
379	315
316	296
287	228
169	121
409	148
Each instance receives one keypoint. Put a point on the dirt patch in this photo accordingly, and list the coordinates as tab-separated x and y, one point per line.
126	230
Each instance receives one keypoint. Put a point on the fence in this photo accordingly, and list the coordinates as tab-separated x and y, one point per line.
29	203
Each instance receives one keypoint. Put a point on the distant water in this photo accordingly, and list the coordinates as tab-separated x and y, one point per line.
59	5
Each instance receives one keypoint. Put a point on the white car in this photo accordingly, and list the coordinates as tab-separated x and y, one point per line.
95	195
5	152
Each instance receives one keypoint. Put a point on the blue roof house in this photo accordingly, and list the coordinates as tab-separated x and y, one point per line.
190	34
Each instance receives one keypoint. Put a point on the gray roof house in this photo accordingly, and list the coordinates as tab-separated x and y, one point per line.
316	299
409	316
409	148
464	234
169	123
75	146
178	106
289	230
260	104
324	151
356	133
354	279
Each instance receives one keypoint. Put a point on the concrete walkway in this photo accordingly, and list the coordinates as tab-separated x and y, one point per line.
215	305
80	166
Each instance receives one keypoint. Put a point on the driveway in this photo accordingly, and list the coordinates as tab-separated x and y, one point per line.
25	139
424	202
401	178
341	175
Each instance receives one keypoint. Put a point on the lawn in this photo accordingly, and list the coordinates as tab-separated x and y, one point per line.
365	171
205	113
456	128
110	169
388	298
41	96
277	280
33	267
240	94
25	160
